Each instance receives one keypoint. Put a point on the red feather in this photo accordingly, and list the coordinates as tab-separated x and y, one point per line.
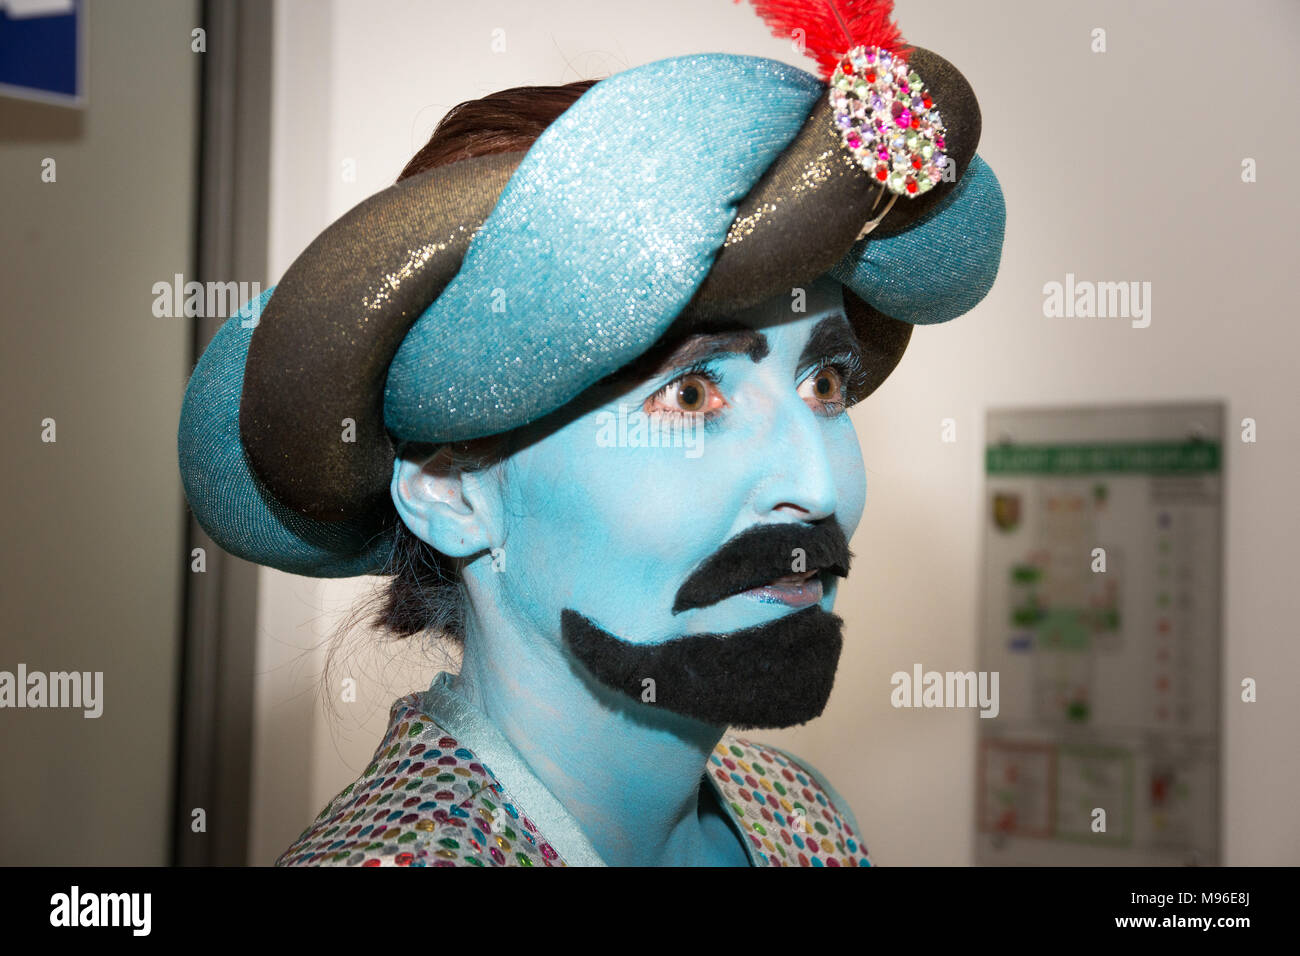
832	27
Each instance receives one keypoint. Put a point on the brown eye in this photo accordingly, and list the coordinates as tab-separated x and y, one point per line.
828	385
695	393
692	392
825	391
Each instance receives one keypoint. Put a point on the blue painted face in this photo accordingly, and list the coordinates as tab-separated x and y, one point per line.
611	513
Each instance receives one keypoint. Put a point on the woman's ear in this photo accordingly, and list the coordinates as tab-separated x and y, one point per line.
441	505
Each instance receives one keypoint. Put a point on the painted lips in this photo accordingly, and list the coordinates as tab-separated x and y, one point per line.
795	590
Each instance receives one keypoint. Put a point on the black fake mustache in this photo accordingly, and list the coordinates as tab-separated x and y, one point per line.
762	554
776	674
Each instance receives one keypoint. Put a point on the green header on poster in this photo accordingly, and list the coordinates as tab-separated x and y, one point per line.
1156	458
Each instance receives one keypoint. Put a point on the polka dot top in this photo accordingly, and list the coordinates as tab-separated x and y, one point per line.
427	799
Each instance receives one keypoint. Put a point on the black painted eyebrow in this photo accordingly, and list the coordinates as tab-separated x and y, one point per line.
718	337
709	344
831	336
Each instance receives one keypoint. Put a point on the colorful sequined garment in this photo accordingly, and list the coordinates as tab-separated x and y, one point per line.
429	798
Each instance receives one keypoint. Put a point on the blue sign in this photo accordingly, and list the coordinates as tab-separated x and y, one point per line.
42	50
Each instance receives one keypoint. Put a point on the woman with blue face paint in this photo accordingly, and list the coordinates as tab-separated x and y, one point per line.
567	531
598	345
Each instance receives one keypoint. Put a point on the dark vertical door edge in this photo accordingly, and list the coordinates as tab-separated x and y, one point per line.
219	625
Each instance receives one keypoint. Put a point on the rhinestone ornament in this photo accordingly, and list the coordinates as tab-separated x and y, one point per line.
887	120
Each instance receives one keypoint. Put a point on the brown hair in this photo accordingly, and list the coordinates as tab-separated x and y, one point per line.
425	592
508	121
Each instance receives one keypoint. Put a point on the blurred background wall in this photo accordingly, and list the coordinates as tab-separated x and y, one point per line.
93	524
1116	166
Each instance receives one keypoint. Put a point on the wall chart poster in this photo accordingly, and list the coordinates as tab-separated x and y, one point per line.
1101	612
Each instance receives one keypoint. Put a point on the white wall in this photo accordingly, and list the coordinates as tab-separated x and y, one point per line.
1115	166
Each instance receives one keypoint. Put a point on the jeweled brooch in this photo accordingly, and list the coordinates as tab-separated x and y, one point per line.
888	120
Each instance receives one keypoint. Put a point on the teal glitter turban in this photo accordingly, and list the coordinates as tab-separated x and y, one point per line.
479	296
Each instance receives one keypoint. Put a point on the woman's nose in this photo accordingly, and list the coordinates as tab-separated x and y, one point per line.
799	477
